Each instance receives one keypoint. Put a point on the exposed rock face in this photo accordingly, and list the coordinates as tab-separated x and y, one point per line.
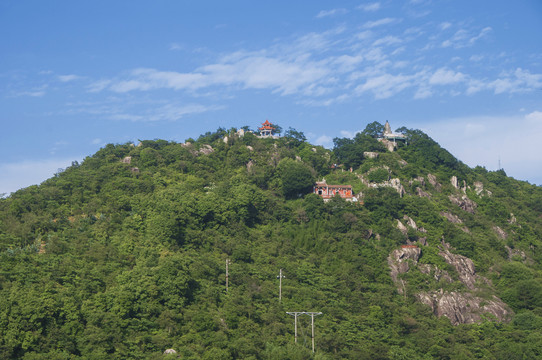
463	265
464	308
390	145
419	179
464	203
206	149
126	160
500	232
402	228
460	307
478	187
396	184
422	193
410	222
512	219
464	187
454	219
515	252
433	181
399	260
250	164
437	273
393	183
370	154
454	182
451	217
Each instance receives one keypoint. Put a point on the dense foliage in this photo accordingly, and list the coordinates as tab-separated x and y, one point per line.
115	259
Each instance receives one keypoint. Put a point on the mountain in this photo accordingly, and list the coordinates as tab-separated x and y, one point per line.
125	255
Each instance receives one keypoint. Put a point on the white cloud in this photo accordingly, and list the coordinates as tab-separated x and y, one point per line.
482	140
445	76
423	92
445	25
175	47
68	78
381	22
534	117
326	13
369	6
387	40
324	140
483	33
348	134
99	85
518	81
386	85
464	38
168	112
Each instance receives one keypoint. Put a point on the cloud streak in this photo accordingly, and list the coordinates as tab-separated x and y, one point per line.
319	67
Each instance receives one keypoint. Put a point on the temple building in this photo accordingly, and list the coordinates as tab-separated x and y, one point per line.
389	138
328	191
267	129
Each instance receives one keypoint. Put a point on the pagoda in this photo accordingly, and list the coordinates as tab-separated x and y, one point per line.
267	129
389	135
389	138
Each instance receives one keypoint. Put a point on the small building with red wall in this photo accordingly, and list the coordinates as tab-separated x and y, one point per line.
327	191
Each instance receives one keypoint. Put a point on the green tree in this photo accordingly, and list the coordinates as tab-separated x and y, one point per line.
296	178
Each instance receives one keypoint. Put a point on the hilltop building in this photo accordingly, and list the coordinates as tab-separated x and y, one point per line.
328	191
266	130
389	138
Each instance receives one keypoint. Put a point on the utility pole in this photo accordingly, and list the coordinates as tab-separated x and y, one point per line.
312	315
295	314
280	284
228	262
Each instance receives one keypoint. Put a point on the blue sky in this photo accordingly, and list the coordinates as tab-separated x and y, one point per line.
77	75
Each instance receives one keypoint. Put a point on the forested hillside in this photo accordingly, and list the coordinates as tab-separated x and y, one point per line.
124	255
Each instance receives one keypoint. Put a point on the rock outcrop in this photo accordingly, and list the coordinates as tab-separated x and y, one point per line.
400	261
370	154
402	228
433	181
422	193
462	264
464	308
393	183
461	307
464	203
500	232
455	182
451	217
206	149
512	253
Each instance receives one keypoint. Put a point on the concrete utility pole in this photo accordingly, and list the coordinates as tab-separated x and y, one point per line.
312	315
228	262
280	276
295	314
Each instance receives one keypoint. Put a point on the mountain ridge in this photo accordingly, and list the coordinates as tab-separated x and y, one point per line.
130	246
